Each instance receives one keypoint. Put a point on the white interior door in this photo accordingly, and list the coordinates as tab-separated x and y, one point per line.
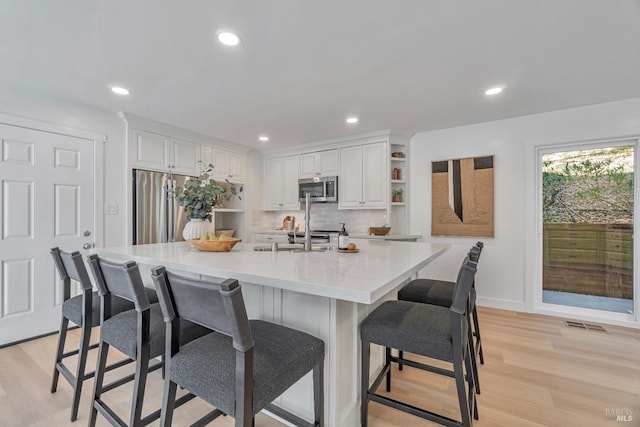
46	200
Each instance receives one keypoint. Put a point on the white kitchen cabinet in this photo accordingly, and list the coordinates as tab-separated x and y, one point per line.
155	151
350	181
290	173
221	163
237	167
363	178
319	163
281	183
206	157
184	156
227	165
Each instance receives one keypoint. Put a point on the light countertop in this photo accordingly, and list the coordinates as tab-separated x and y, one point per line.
363	277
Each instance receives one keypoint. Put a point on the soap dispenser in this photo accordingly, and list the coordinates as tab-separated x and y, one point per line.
343	238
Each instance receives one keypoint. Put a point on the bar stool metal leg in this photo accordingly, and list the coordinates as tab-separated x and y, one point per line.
140	379
470	381
364	388
103	350
460	386
476	333
62	338
80	371
318	393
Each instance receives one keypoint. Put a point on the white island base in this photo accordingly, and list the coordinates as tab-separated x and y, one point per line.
326	294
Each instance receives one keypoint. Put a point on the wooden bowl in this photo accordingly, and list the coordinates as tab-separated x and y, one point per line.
213	245
379	231
228	233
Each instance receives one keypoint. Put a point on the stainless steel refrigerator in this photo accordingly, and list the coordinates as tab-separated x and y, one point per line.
157	218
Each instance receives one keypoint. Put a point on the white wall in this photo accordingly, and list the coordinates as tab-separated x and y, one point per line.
505	275
37	106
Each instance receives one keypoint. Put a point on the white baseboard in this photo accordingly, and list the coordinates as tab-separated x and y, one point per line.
502	304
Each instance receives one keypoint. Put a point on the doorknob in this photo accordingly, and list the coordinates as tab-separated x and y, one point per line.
87	245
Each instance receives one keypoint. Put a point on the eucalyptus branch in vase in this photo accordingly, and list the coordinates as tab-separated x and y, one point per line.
201	194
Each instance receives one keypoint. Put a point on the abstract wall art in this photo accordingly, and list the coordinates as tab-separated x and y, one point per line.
462	197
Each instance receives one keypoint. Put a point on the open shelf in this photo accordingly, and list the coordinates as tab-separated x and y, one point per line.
399	174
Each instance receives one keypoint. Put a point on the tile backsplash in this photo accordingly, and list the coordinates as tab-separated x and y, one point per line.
324	216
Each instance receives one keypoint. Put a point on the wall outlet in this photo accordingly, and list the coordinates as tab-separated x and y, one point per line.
111	209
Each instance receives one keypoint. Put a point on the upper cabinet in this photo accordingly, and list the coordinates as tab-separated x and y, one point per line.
227	164
158	146
319	163
185	156
363	179
237	167
281	183
206	157
162	152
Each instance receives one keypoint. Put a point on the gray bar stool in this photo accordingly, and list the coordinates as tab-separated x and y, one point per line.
138	333
440	292
242	367
84	311
428	330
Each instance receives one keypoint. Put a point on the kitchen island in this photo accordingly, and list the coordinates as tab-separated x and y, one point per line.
326	294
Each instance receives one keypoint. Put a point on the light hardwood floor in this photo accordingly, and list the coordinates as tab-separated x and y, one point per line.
537	372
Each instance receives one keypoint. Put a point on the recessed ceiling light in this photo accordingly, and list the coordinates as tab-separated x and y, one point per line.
352	120
120	90
263	138
228	38
494	90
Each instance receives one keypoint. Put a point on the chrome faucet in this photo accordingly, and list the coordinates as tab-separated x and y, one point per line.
307	223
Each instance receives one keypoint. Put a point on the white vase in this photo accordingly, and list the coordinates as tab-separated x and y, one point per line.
195	228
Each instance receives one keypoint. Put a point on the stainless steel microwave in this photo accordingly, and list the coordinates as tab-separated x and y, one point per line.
321	189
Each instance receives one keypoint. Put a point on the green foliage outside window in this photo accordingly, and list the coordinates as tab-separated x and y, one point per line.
589	186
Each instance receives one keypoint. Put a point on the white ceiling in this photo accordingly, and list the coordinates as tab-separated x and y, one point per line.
303	66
